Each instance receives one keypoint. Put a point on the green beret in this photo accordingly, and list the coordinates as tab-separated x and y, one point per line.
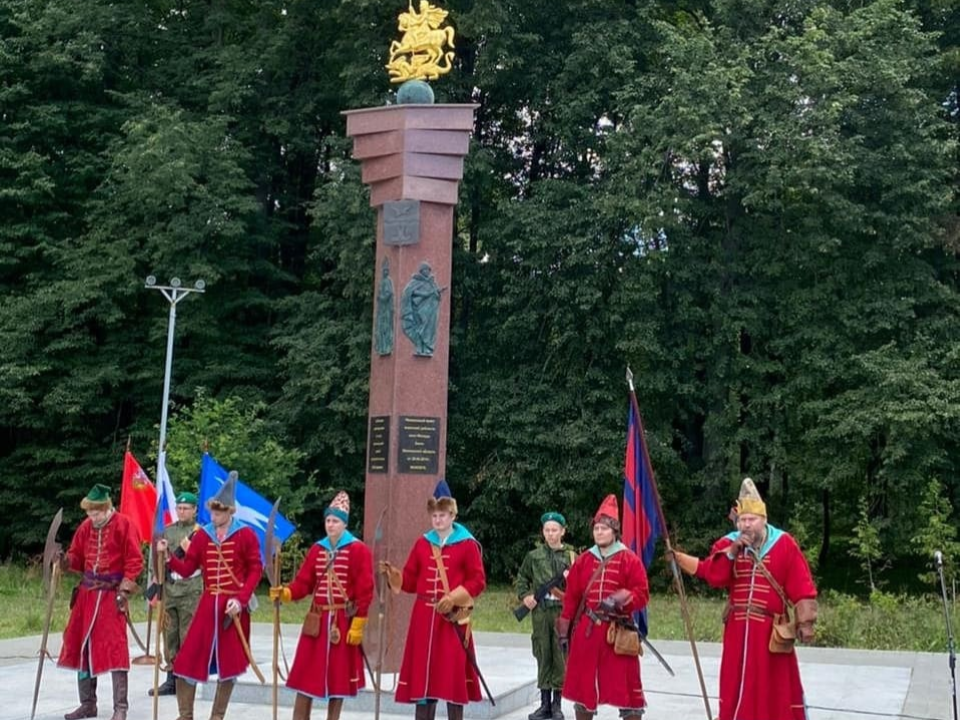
555	516
186	498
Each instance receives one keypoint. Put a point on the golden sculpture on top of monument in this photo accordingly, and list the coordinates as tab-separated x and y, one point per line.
419	55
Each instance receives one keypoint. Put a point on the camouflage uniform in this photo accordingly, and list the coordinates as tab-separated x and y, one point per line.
539	566
180	595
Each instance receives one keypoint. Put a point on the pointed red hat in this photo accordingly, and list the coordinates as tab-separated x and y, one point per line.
609	508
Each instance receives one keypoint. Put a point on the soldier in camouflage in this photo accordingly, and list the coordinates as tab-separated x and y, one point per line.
541	565
180	594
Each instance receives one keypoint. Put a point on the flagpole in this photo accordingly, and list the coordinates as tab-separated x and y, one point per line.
677	577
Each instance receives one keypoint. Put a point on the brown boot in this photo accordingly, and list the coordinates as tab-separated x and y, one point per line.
581	712
120	704
454	711
87	689
186	694
334	706
302	706
221	699
427	711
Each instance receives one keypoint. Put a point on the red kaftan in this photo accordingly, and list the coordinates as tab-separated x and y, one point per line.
771	688
435	664
95	639
322	668
233	572
595	674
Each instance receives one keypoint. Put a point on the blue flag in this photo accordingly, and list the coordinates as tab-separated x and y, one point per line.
641	512
253	510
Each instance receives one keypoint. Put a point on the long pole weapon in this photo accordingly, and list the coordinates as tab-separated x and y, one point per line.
161	567
381	613
677	577
272	548
938	557
154	589
51	579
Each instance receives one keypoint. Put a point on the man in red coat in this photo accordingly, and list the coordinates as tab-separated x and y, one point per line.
606	585
337	574
445	572
228	555
761	567
106	549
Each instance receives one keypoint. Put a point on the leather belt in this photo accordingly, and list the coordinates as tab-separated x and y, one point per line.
751	607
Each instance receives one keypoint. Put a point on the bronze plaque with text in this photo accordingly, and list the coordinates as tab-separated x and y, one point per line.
378	445
419	445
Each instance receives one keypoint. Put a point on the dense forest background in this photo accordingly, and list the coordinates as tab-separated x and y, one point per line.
750	202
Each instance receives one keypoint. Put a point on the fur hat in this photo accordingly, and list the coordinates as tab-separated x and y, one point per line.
608	513
97	499
442	500
750	502
226	497
339	507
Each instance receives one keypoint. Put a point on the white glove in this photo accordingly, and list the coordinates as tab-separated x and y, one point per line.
233	607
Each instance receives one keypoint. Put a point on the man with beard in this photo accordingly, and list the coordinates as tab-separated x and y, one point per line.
106	549
764	572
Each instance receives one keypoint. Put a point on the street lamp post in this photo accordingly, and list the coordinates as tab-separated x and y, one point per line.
174	293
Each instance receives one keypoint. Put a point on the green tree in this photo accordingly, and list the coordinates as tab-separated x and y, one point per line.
866	547
240	437
936	533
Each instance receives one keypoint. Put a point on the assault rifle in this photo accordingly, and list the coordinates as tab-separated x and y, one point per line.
541	594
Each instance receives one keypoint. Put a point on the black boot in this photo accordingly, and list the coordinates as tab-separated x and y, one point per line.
544	712
557	712
167	687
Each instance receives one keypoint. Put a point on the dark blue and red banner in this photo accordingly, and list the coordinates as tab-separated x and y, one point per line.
641	514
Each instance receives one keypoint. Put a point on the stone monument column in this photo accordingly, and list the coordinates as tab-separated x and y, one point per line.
412	159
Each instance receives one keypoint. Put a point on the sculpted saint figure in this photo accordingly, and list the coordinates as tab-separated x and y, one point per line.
419	307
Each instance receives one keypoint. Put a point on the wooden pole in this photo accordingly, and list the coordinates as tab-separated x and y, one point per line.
677	577
162	564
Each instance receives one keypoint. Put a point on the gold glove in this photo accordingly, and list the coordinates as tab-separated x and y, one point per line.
281	593
355	633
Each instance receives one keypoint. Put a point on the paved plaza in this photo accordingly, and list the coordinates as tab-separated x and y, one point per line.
840	684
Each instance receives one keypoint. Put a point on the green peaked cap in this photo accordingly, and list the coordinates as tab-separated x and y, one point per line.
98	494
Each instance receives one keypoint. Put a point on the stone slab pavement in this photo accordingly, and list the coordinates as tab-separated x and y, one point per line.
840	684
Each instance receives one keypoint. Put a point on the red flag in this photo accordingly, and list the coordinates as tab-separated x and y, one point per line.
138	497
